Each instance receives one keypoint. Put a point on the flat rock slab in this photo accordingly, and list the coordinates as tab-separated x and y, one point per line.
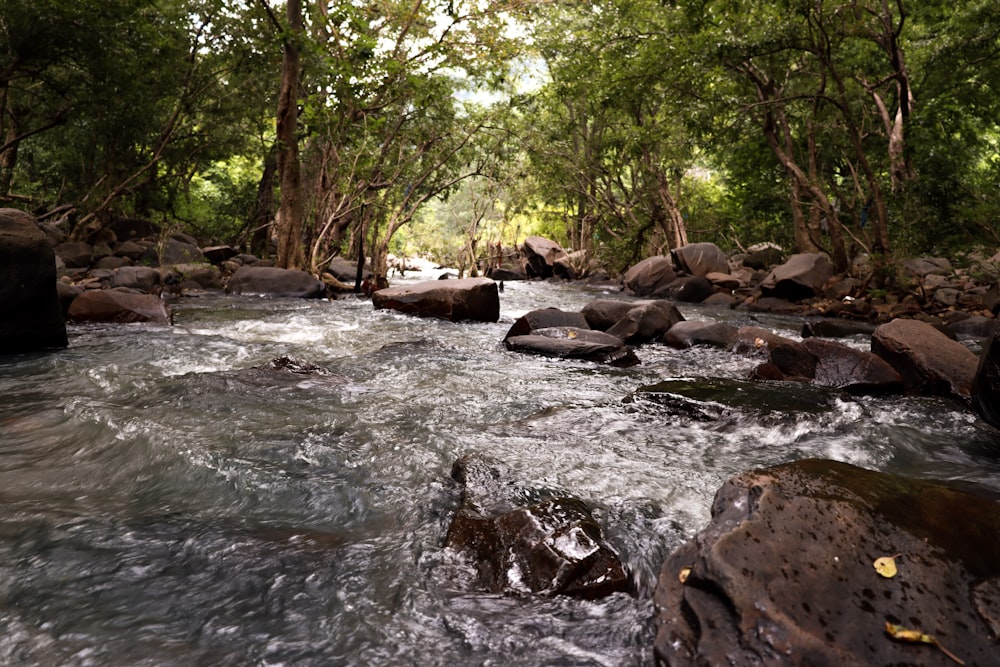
572	343
119	306
476	299
784	574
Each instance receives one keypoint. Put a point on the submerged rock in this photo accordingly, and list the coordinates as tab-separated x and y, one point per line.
552	547
784	574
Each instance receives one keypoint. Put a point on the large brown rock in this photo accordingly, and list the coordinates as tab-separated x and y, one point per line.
474	299
929	361
690	333
651	276
986	384
554	547
114	305
545	318
272	281
646	322
784	575
32	312
701	259
541	255
831	364
803	276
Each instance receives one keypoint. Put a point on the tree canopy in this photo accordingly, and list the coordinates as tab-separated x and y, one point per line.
621	128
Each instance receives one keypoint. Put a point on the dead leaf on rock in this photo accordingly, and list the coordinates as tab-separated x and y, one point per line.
900	633
683	575
886	566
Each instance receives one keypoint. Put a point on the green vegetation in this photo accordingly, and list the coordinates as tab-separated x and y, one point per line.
621	128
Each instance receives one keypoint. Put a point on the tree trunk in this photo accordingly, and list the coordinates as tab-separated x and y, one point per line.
290	212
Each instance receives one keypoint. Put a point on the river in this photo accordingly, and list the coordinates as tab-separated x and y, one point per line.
160	507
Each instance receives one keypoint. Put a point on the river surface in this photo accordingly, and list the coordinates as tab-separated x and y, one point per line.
159	507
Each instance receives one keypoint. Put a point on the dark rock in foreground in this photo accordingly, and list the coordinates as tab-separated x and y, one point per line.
552	547
784	573
986	385
32	312
474	299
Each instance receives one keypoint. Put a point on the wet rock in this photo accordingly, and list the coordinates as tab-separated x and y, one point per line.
929	362
756	340
115	305
553	547
474	299
545	318
32	313
770	304
272	281
783	575
688	289
572	343
602	314
836	328
986	384
717	398
541	255
646	322
803	276
855	371
500	274
793	360
690	333
651	276
67	293
724	281
700	259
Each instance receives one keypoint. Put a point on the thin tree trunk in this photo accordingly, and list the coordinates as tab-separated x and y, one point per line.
290	252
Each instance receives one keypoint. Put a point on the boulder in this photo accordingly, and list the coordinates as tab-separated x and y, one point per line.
171	251
545	318
75	254
198	276
602	314
762	259
855	371
836	328
770	304
986	384
553	547
143	278
346	271
272	281
700	259
217	254
803	276
117	305
688	289
541	255
690	333
646	322
977	326
651	276
130	250
456	300
502	273
929	362
572	343
32	312
784	574
756	340
67	293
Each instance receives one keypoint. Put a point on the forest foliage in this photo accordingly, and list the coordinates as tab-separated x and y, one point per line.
307	130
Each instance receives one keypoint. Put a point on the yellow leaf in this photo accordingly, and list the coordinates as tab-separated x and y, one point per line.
886	566
899	633
683	575
571	334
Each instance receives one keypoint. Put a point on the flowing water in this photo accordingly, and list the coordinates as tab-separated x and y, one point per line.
160	507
